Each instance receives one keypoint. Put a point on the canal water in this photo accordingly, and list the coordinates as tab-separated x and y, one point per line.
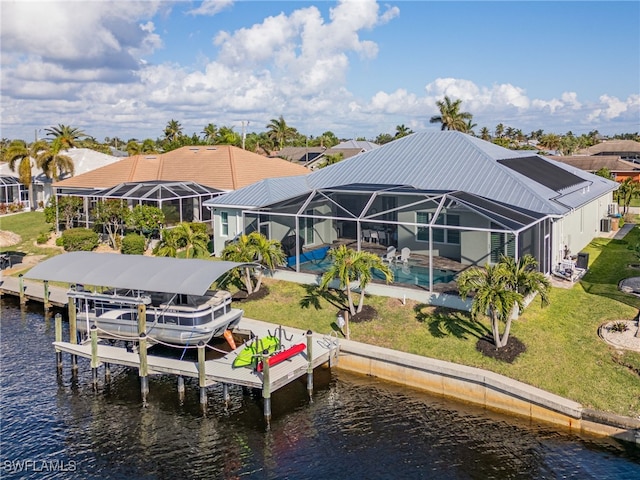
57	427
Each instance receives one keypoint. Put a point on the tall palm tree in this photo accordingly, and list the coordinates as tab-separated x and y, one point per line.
53	163
450	116
65	136
499	130
485	134
402	131
173	130
492	295
209	133
348	265
279	131
19	155
226	136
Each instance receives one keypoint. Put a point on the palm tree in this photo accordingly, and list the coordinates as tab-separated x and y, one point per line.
279	131
133	148
226	136
210	132
267	253
492	296
499	130
348	265
402	131
53	163
20	155
626	192
524	278
168	246
450	116
173	130
241	250
66	137
194	240
485	134
469	127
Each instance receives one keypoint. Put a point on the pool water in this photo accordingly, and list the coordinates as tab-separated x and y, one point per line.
405	274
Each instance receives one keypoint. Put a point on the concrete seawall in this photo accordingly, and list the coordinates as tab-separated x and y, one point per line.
484	388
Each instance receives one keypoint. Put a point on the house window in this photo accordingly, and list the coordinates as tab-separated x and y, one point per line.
502	244
224	224
440	235
307	229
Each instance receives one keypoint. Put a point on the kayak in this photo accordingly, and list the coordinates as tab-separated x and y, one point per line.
283	355
246	356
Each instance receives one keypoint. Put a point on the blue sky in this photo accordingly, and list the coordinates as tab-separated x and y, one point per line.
357	68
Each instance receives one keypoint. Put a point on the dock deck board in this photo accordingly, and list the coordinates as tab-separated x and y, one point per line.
33	290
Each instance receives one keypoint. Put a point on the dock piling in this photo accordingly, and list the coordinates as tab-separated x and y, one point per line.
144	368
181	388
225	394
107	372
202	378
94	356
266	388
310	364
142	318
58	333
23	298
45	300
73	332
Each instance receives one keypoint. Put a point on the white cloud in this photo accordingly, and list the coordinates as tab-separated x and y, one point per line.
211	7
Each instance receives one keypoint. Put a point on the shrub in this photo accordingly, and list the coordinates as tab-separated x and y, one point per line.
79	239
133	244
59	242
619	327
42	238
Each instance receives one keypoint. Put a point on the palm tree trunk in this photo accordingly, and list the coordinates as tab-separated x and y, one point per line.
247	281
361	301
259	282
505	336
352	308
495	330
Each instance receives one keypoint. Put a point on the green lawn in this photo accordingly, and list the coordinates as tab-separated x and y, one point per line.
564	353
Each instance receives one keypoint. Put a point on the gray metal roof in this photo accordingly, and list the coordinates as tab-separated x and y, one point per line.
441	161
136	272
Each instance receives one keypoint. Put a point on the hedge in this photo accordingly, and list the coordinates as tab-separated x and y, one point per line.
133	244
79	239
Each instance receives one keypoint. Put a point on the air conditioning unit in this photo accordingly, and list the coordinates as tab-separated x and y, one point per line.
605	224
613	209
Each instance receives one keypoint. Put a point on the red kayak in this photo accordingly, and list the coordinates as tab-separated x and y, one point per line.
282	356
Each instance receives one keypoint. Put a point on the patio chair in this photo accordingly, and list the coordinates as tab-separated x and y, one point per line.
382	238
366	235
404	256
375	237
390	256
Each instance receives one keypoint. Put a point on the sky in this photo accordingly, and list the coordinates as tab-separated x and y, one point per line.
357	68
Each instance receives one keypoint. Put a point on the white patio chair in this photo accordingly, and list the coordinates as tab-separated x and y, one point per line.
374	237
390	256
382	238
404	256
366	235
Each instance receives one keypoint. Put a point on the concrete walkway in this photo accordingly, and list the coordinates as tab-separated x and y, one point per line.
626	228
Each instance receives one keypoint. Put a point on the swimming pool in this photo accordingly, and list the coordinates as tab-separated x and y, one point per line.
405	274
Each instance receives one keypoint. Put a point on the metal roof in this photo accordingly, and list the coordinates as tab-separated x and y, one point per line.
136	272
440	161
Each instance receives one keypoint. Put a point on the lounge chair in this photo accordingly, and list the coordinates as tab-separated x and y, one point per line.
404	256
390	256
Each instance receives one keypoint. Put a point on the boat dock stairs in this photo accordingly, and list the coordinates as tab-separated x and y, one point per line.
319	349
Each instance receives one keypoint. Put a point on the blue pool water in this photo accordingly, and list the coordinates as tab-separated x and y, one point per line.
405	274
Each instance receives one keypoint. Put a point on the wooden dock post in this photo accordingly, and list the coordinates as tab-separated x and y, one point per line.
142	318
202	378
45	300
58	332
94	356
266	388
310	365
181	388
73	332
107	372
225	394
23	298
144	368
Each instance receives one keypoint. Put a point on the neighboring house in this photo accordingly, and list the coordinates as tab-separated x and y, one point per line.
620	169
300	155
346	149
439	193
84	160
178	180
625	149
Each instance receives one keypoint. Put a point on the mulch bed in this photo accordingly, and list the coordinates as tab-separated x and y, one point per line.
508	353
242	296
367	314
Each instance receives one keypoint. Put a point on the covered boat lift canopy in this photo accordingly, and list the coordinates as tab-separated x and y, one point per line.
136	272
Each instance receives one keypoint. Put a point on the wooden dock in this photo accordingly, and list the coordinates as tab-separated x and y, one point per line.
33	290
221	370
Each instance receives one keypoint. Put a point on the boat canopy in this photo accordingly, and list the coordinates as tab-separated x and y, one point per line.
135	272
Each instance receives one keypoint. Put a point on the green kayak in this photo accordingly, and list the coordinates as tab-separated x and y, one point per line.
246	357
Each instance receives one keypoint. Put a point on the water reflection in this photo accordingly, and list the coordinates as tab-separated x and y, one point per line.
355	427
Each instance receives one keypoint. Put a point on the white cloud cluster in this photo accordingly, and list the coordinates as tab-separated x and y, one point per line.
83	63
